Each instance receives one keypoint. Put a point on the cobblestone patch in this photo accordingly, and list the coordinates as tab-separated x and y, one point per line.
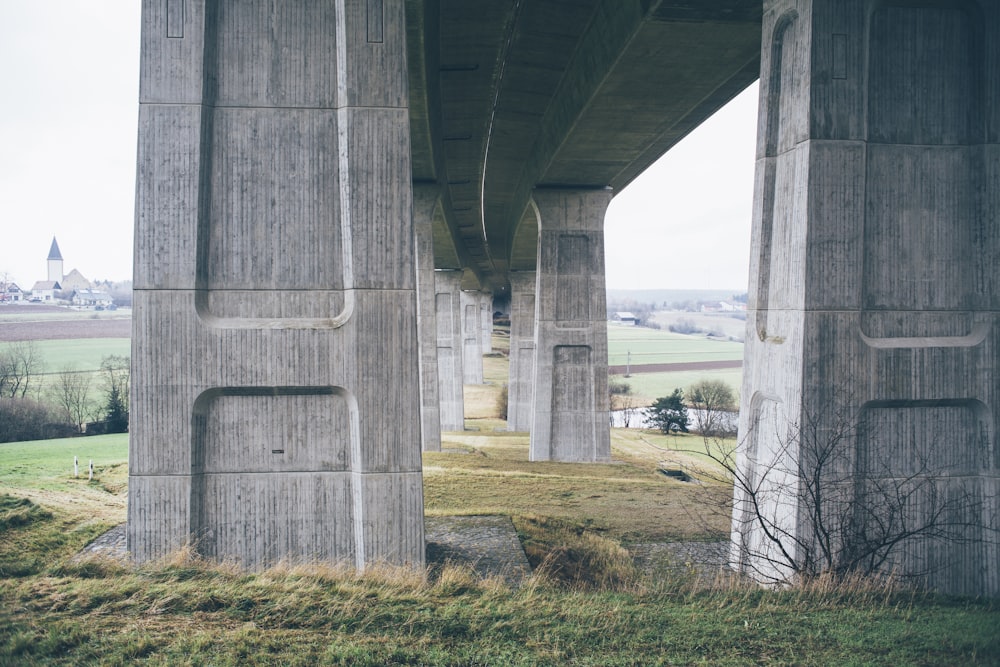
487	544
704	559
109	545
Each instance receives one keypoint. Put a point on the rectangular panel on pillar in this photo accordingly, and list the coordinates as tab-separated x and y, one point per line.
570	397
275	387
522	350
450	349
472	338
873	288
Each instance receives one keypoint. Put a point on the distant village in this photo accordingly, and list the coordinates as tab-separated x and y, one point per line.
67	289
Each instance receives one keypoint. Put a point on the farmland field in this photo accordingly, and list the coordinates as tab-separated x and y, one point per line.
651	346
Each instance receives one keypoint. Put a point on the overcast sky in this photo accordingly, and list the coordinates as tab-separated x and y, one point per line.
67	167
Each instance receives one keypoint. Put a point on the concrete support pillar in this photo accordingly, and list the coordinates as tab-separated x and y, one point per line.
275	395
570	413
425	203
486	321
447	304
522	350
874	319
472	338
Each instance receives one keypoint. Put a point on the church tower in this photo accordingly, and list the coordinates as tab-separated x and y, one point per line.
55	262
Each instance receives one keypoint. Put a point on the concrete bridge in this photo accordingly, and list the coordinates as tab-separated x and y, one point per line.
331	193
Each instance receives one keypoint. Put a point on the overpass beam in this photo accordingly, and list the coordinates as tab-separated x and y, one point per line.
275	396
450	349
522	350
873	331
426	199
570	412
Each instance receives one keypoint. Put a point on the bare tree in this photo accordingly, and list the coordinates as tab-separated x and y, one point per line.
19	364
713	402
811	505
71	393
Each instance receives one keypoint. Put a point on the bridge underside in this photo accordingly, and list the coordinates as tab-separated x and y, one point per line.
330	193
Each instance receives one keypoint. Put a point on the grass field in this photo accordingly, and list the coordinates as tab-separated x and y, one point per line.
44	314
78	354
652	346
185	612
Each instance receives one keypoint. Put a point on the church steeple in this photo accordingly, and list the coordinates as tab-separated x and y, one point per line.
55	262
54	250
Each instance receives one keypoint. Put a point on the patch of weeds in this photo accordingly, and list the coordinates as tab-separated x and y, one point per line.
571	555
19	512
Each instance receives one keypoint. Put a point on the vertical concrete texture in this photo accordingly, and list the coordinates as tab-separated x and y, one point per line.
472	338
522	350
875	272
450	349
486	321
426	200
570	412
275	396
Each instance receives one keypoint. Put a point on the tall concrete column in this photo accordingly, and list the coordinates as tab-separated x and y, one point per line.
425	202
472	338
275	396
522	350
570	413
875	280
450	349
486	321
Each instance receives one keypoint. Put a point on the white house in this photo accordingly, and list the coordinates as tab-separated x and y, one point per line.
625	317
45	290
12	294
91	297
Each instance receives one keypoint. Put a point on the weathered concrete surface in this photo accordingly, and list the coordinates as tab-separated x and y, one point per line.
875	289
426	203
275	393
570	411
449	349
522	350
472	338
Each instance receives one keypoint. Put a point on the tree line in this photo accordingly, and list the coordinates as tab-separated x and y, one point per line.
71	403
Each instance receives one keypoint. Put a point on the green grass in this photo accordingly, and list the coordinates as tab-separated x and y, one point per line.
47	465
652	346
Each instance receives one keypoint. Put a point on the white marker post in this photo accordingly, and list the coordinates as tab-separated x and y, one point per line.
91	478
76	467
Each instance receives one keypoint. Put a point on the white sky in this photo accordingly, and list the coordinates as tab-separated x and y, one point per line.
69	77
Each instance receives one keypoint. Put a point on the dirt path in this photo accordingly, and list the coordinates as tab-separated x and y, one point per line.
679	366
